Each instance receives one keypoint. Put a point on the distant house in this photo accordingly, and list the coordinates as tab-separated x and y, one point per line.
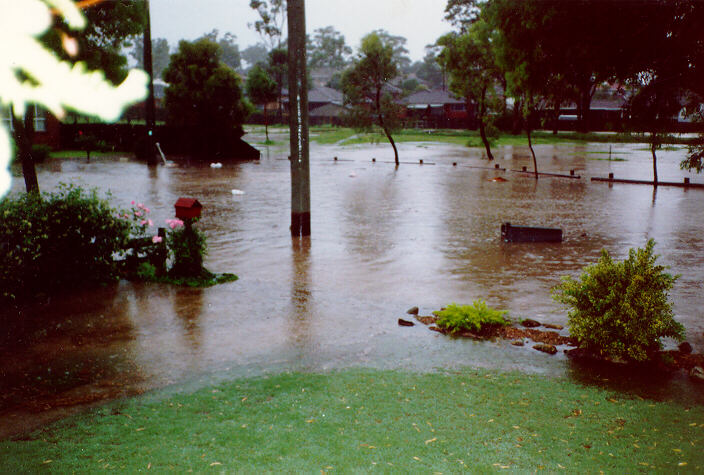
47	128
437	109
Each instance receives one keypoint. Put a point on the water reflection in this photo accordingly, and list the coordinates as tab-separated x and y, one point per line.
302	300
188	306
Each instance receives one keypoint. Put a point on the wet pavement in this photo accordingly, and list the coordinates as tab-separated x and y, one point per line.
384	239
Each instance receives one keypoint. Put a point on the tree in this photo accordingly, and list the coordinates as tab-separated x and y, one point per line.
328	49
398	46
364	87
261	89
270	26
161	52
254	54
474	74
278	70
204	96
462	13
430	70
230	52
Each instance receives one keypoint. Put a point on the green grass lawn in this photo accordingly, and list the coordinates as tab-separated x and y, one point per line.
347	136
364	420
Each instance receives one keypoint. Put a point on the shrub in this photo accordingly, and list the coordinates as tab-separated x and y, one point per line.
56	241
187	247
458	318
621	309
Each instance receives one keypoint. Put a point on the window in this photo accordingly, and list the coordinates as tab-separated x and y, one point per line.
39	119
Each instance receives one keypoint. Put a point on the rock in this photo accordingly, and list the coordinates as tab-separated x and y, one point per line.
529	323
517	343
436	329
685	348
697	374
412	311
405	323
426	320
550	349
553	326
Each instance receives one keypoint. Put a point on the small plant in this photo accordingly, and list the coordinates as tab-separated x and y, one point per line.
187	246
458	318
621	309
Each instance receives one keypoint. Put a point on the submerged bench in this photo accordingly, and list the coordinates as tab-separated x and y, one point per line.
511	233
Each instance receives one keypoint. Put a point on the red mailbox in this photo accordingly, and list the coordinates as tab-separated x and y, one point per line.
188	208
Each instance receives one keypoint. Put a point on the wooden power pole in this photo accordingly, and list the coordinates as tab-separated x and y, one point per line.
150	153
298	119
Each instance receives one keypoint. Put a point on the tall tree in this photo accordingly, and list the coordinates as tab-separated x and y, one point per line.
365	87
327	48
474	74
278	69
204	95
230	51
254	54
272	21
161	52
430	70
398	46
261	90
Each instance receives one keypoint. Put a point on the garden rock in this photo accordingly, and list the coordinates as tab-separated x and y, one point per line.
426	320
405	323
685	348
550	349
517	343
412	311
553	326
529	323
697	374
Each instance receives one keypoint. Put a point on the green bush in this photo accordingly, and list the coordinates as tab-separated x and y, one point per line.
458	318
57	241
187	247
621	309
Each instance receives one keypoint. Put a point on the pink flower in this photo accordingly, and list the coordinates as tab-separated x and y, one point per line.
150	222
147	210
174	223
138	213
132	203
156	239
143	222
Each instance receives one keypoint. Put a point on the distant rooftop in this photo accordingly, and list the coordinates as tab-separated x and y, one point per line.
436	97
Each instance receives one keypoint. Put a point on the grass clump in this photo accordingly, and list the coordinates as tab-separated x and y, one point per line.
460	318
358	421
621	310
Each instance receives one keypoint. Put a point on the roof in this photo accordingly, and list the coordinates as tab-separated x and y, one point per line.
328	110
324	94
435	97
188	203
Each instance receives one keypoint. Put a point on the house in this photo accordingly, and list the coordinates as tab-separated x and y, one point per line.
437	109
47	128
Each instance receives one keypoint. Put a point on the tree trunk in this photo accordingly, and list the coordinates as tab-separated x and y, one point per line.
653	147
516	128
266	124
24	132
556	118
530	146
482	126
380	117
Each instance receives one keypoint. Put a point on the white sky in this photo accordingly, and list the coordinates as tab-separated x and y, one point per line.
420	21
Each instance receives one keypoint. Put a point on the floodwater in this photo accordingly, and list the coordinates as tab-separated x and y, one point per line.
384	240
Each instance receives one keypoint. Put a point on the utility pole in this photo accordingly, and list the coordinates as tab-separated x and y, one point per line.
298	119
150	107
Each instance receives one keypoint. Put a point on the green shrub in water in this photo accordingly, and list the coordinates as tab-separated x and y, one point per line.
57	241
458	318
621	309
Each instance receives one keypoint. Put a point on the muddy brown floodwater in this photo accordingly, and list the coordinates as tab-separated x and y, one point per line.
384	240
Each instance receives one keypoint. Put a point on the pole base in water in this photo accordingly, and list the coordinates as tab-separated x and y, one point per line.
300	224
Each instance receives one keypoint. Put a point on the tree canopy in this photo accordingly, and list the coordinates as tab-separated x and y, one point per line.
327	48
205	96
229	50
161	53
365	87
261	89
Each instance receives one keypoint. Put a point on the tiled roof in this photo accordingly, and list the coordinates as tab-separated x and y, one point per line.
436	96
325	94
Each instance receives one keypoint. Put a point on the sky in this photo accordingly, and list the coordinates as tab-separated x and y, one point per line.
420	21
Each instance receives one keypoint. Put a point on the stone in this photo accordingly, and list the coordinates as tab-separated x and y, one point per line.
685	348
517	343
529	323
550	349
412	311
405	323
697	374
553	326
426	320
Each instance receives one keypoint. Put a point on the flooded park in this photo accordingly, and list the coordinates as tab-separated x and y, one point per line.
384	239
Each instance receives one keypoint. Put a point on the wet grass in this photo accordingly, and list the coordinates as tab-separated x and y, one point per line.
63	154
347	136
362	420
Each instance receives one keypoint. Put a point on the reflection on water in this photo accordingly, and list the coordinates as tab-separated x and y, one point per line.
384	239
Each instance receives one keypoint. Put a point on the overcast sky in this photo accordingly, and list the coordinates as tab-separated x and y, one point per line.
420	21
